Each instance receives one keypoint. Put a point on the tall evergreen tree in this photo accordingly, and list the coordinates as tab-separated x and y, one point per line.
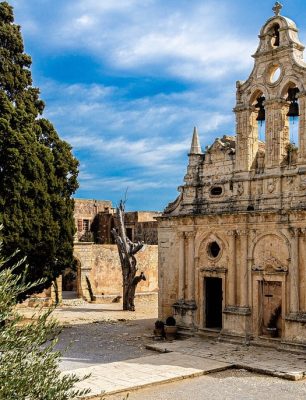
38	173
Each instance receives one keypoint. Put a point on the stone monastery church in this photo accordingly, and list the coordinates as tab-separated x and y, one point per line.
232	246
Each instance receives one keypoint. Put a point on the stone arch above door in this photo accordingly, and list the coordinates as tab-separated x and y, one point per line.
271	253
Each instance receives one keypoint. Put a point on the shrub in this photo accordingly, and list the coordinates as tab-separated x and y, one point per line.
170	321
28	362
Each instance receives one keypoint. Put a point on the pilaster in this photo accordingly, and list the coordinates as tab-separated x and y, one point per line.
243	273
181	265
277	131
294	271
190	270
302	127
231	287
302	269
247	138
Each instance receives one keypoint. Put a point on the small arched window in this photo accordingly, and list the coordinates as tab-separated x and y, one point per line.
275	35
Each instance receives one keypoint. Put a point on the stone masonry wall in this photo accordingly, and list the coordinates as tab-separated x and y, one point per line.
104	270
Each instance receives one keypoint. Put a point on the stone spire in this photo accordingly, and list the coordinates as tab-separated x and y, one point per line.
195	144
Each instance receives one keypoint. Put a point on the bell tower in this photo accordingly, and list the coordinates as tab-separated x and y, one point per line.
273	93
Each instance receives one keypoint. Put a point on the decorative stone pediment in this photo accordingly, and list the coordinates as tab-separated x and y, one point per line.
270	265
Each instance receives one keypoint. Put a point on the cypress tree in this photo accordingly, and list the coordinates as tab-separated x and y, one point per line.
38	173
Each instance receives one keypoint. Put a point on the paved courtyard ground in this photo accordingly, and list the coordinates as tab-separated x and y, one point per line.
111	345
225	385
102	333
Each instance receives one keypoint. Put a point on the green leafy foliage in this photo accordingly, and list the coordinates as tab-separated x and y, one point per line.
38	173
28	362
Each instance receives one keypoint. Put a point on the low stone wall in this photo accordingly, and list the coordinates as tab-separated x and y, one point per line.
106	277
100	264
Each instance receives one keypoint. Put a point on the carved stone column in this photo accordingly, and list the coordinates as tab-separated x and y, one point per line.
302	269
247	137
197	288
231	291
277	131
243	273
181	265
302	127
294	271
191	270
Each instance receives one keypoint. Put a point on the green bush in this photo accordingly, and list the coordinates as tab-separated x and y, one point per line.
28	362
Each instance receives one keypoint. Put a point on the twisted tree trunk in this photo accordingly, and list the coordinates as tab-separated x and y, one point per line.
127	250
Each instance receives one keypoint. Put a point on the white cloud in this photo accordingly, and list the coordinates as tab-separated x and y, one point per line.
118	184
149	132
151	37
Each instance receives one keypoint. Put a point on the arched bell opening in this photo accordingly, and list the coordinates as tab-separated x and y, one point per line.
258	105
292	112
293	115
275	37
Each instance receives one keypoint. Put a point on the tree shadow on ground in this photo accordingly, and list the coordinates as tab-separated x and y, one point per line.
103	342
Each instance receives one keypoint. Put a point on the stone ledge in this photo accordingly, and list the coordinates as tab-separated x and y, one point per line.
237	310
296	317
185	305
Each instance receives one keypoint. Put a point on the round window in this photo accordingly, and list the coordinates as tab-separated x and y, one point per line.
275	73
214	249
216	191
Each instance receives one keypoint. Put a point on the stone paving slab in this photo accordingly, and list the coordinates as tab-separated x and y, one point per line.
268	361
140	372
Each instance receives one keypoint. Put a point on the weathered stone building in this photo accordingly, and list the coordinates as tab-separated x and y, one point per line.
99	272
232	246
94	220
85	215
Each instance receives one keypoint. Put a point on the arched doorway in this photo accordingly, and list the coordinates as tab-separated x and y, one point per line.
70	281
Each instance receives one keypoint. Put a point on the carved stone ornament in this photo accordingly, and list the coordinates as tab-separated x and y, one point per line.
190	235
240	188
303	183
260	162
270	265
302	231
289	180
271	186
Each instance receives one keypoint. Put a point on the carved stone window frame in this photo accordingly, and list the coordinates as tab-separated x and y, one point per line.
270	70
216	196
208	251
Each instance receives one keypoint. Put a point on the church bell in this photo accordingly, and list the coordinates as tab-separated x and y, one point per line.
261	115
294	106
261	112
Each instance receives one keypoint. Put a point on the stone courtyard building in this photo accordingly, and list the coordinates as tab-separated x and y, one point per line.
99	276
232	246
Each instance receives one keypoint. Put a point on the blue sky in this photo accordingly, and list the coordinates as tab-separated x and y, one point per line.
125	81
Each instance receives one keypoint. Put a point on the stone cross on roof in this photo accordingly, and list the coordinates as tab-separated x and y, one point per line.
277	8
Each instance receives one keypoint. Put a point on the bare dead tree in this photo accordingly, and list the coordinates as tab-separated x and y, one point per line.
127	250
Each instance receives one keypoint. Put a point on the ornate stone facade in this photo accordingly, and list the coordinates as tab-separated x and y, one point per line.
232	246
